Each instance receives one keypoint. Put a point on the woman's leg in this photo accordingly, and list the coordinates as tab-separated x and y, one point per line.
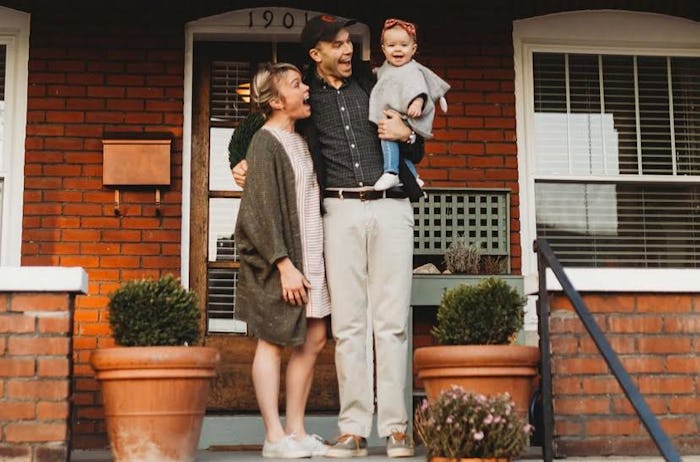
300	370
266	380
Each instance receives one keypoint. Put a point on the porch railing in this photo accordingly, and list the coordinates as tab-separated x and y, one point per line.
547	259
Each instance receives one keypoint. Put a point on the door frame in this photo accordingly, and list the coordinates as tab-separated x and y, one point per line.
245	25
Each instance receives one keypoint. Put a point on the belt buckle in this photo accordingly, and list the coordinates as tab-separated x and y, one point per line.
362	196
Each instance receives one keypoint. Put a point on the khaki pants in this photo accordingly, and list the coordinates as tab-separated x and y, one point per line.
369	258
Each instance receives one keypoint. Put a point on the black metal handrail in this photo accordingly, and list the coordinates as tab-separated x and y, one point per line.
545	259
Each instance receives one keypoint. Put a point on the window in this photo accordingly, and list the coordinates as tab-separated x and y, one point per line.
617	158
610	136
14	55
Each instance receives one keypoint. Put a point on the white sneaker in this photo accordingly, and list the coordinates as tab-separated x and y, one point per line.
386	181
285	448
315	444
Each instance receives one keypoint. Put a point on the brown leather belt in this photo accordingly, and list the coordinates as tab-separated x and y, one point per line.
365	195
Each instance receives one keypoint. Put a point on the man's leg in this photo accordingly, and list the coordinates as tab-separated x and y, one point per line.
390	263
346	271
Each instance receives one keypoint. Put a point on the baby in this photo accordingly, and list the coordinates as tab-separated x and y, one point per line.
407	87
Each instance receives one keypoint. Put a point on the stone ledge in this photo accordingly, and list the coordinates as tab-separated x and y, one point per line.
43	279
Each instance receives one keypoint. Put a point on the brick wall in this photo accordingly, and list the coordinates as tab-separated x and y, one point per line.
88	80
657	338
35	370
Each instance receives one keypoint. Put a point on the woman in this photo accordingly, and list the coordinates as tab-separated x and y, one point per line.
282	292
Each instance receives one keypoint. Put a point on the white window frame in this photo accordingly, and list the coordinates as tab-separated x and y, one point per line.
595	32
14	34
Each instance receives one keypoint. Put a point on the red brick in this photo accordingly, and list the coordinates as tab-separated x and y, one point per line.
17	324
664	344
664	303
567	427
563	345
40	302
679	425
579	406
52	410
38	345
600	385
688	324
18	410
622	405
613	303
17	367
578	365
643	364
635	324
50	390
35	432
666	385
684	405
683	364
54	325
53	367
612	426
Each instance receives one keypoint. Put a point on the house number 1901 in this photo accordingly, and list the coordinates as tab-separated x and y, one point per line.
267	18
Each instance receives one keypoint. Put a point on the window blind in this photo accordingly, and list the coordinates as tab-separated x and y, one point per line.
608	130
230	91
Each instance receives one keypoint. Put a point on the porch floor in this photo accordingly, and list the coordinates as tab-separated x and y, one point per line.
376	454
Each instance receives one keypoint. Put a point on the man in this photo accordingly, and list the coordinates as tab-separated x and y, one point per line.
368	244
368	240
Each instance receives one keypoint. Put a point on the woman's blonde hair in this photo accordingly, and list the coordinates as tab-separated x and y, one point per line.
265	84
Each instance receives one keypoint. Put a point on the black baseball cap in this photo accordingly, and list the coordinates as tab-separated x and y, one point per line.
323	27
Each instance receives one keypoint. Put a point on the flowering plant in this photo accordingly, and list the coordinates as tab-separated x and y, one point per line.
460	425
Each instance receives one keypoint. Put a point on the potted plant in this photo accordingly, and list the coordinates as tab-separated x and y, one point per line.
155	384
475	330
458	425
464	263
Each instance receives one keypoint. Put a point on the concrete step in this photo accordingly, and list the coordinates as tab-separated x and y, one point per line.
376	454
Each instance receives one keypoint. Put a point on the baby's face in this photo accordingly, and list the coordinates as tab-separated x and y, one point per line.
398	46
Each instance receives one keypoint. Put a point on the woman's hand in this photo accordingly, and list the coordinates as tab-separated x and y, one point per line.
392	128
239	172
294	284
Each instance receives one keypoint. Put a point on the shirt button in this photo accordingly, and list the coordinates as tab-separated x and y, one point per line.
342	108
361	183
347	127
357	164
352	146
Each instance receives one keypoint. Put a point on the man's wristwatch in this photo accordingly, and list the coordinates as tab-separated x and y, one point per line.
411	138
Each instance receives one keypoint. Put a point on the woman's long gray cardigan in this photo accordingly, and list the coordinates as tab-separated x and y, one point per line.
267	229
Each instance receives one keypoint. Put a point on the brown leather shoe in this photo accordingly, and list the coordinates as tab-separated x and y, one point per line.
348	445
399	444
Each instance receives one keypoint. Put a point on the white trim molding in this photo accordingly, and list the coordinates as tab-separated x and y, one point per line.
591	31
43	279
14	34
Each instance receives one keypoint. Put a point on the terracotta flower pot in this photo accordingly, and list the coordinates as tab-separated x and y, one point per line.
485	369
154	400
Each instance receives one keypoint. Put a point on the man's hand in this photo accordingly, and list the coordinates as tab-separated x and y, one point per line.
239	172
392	128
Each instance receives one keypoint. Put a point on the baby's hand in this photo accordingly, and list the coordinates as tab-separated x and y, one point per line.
415	109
